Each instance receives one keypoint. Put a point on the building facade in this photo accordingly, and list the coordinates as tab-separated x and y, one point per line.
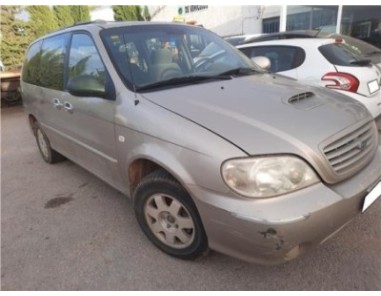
363	22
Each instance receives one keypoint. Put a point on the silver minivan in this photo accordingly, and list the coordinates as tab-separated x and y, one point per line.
213	151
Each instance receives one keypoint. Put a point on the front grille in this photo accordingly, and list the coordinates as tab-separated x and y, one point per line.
352	151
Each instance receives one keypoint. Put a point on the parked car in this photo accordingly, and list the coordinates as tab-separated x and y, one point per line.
326	62
10	84
317	33
214	154
359	46
240	39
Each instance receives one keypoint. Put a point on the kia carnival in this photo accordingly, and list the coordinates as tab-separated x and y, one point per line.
214	151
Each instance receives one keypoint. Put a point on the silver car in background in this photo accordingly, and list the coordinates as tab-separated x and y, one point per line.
214	151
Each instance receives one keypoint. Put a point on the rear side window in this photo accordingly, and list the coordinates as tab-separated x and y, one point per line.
283	58
340	54
31	68
53	61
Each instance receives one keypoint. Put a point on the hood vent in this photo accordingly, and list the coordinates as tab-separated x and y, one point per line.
299	97
304	101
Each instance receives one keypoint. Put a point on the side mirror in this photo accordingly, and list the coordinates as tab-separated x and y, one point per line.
86	86
263	62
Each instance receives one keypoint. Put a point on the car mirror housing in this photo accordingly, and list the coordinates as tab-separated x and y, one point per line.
86	86
263	62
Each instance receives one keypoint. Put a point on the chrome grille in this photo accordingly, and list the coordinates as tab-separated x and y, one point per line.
353	150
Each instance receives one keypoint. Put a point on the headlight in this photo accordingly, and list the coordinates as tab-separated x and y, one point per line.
267	176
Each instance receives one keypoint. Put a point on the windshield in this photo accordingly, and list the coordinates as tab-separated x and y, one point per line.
149	54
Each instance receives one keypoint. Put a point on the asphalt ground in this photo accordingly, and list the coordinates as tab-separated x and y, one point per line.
64	229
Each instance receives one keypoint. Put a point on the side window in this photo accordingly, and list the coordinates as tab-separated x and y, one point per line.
283	58
31	68
52	61
84	58
246	51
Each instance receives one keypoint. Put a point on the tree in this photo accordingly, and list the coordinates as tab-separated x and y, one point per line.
80	13
146	14
63	15
127	13
15	36
41	19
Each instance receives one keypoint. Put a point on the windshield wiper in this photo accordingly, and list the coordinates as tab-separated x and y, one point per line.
181	80
240	71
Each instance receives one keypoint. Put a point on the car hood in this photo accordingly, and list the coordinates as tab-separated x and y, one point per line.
265	114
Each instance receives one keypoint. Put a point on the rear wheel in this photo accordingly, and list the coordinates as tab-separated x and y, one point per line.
168	216
47	153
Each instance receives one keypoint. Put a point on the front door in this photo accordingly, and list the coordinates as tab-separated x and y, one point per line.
89	121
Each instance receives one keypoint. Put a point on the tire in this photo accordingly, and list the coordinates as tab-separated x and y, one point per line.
48	154
168	216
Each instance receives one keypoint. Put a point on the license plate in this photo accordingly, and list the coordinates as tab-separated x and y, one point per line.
372	196
373	86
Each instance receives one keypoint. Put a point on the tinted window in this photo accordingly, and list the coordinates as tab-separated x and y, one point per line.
282	58
31	71
84	58
341	54
361	47
53	61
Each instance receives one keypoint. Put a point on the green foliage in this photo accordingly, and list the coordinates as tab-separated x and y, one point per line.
15	36
80	13
63	15
146	15
41	19
127	13
51	74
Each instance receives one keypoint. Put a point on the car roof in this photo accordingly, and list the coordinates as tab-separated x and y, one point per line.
98	25
301	42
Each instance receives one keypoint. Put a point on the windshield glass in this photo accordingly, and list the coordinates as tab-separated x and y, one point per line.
148	54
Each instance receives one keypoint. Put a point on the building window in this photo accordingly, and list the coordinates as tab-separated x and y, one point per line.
300	17
271	25
362	22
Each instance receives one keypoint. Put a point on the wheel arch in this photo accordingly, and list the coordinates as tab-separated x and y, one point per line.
32	123
142	164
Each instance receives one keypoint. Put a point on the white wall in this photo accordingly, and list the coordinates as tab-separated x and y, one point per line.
102	13
223	20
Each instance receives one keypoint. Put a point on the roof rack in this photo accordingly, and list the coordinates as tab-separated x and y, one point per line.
96	22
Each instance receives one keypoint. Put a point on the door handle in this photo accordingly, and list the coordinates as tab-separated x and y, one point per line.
68	107
57	104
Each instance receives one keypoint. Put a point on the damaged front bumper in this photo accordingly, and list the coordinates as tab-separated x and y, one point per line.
279	229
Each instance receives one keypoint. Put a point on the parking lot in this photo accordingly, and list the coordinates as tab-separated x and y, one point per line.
64	229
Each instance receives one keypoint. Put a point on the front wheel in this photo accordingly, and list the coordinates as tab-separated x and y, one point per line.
168	216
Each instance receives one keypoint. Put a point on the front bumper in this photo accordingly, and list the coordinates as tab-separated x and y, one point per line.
275	230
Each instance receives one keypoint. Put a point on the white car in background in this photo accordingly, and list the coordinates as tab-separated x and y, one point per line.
329	62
